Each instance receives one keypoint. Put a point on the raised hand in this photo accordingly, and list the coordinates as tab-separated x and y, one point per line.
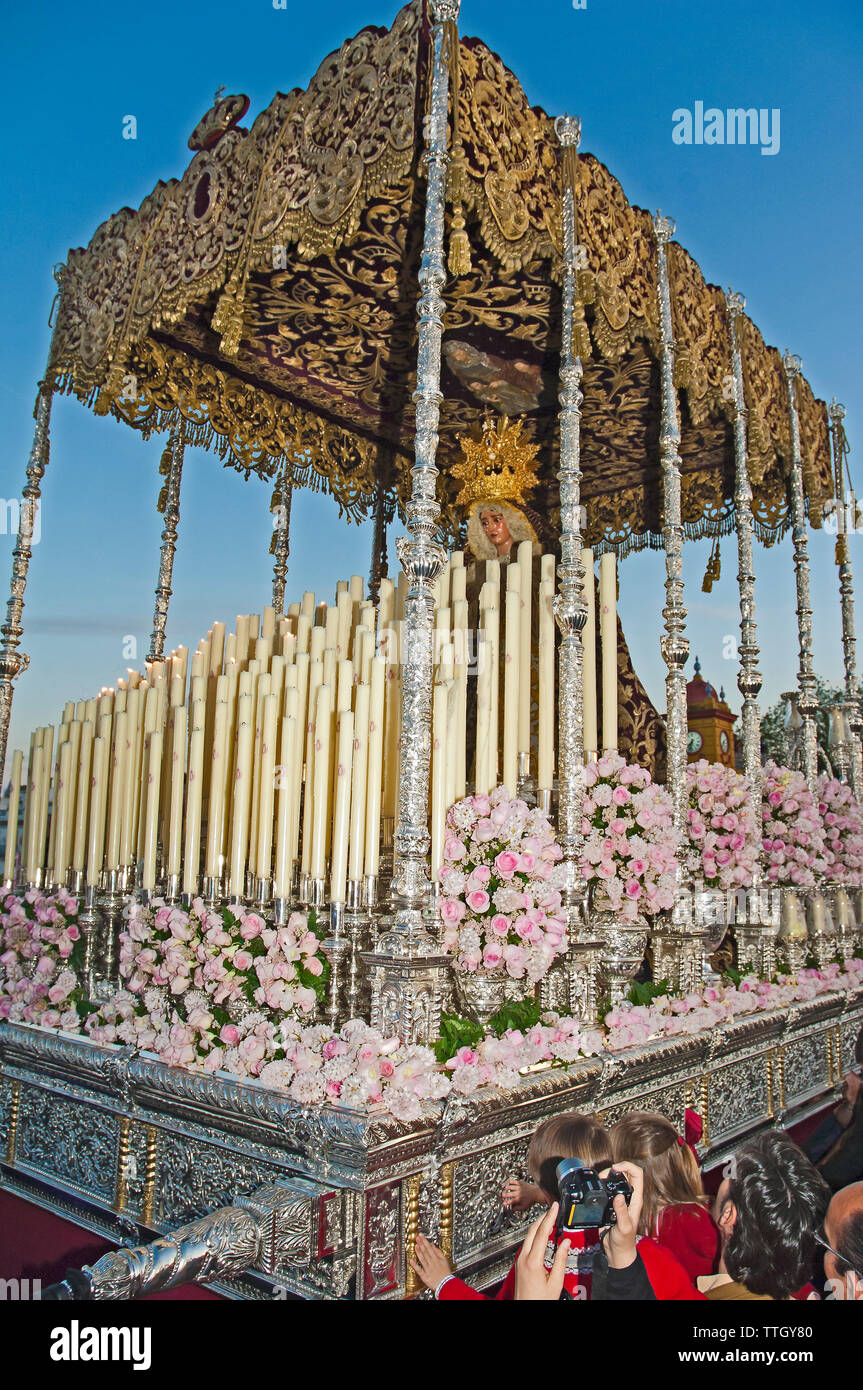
532	1280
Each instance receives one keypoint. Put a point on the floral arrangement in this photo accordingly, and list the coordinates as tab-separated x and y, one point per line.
722	827
314	1064
221	1019
232	957
500	888
842	818
41	958
629	837
795	846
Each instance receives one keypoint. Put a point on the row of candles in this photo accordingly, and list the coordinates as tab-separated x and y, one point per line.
272	758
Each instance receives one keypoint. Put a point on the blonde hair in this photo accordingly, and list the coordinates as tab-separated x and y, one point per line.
570	1135
517	524
671	1174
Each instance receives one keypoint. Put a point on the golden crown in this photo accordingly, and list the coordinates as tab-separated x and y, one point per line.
499	467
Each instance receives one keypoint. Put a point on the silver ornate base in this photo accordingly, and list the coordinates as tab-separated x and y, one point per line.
118	1142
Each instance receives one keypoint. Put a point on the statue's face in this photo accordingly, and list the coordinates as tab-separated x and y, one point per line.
494	526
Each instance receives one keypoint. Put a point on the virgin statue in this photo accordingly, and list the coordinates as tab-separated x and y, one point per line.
496	472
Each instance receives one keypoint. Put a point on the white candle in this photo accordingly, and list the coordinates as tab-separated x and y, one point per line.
525	569
483	711
342	807
308	604
178	767
545	742
608	637
459	584
33	847
375	766
218	789
321	782
62	789
98	803
316	678
82	796
267	785
588	641
460	672
70	800
492	622
241	800
359	781
511	682
116	791
287	829
194	801
151	810
12	821
386	604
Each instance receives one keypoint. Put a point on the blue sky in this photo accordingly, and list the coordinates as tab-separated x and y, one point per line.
784	230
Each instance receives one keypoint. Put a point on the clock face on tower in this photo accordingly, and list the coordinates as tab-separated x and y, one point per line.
723	741
694	741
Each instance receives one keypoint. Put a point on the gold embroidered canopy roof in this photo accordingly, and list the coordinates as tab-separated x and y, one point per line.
269	297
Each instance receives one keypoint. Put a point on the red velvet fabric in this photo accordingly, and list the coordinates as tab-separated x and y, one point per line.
36	1244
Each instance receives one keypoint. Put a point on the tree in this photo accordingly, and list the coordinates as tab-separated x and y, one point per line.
773	722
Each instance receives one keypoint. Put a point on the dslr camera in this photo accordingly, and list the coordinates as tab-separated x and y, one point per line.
586	1199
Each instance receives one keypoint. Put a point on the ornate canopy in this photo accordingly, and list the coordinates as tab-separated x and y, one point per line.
269	296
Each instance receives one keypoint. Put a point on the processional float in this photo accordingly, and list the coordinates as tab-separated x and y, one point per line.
336	298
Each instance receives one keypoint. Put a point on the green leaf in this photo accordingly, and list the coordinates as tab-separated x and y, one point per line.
455	1032
644	993
518	1014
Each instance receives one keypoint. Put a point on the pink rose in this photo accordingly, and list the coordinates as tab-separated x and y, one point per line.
478	901
454	849
451	910
500	924
229	1035
506	864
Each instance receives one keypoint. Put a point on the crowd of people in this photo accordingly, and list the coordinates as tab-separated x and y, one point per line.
784	1224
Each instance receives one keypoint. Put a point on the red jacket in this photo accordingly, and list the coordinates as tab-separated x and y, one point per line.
667	1277
690	1233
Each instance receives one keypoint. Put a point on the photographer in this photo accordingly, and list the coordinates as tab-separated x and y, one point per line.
628	1268
768	1212
570	1135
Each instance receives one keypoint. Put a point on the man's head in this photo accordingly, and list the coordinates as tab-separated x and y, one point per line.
768	1212
843	1236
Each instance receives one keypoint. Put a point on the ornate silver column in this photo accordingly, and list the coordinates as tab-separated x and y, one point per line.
570	610
281	542
851	703
749	677
13	662
405	967
169	502
808	699
674	644
677	949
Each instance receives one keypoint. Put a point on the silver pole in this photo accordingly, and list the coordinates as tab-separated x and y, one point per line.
12	662
851	703
406	969
749	677
808	700
171	515
570	611
674	644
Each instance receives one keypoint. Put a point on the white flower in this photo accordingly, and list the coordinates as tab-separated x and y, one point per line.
308	1088
403	1104
278	1075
